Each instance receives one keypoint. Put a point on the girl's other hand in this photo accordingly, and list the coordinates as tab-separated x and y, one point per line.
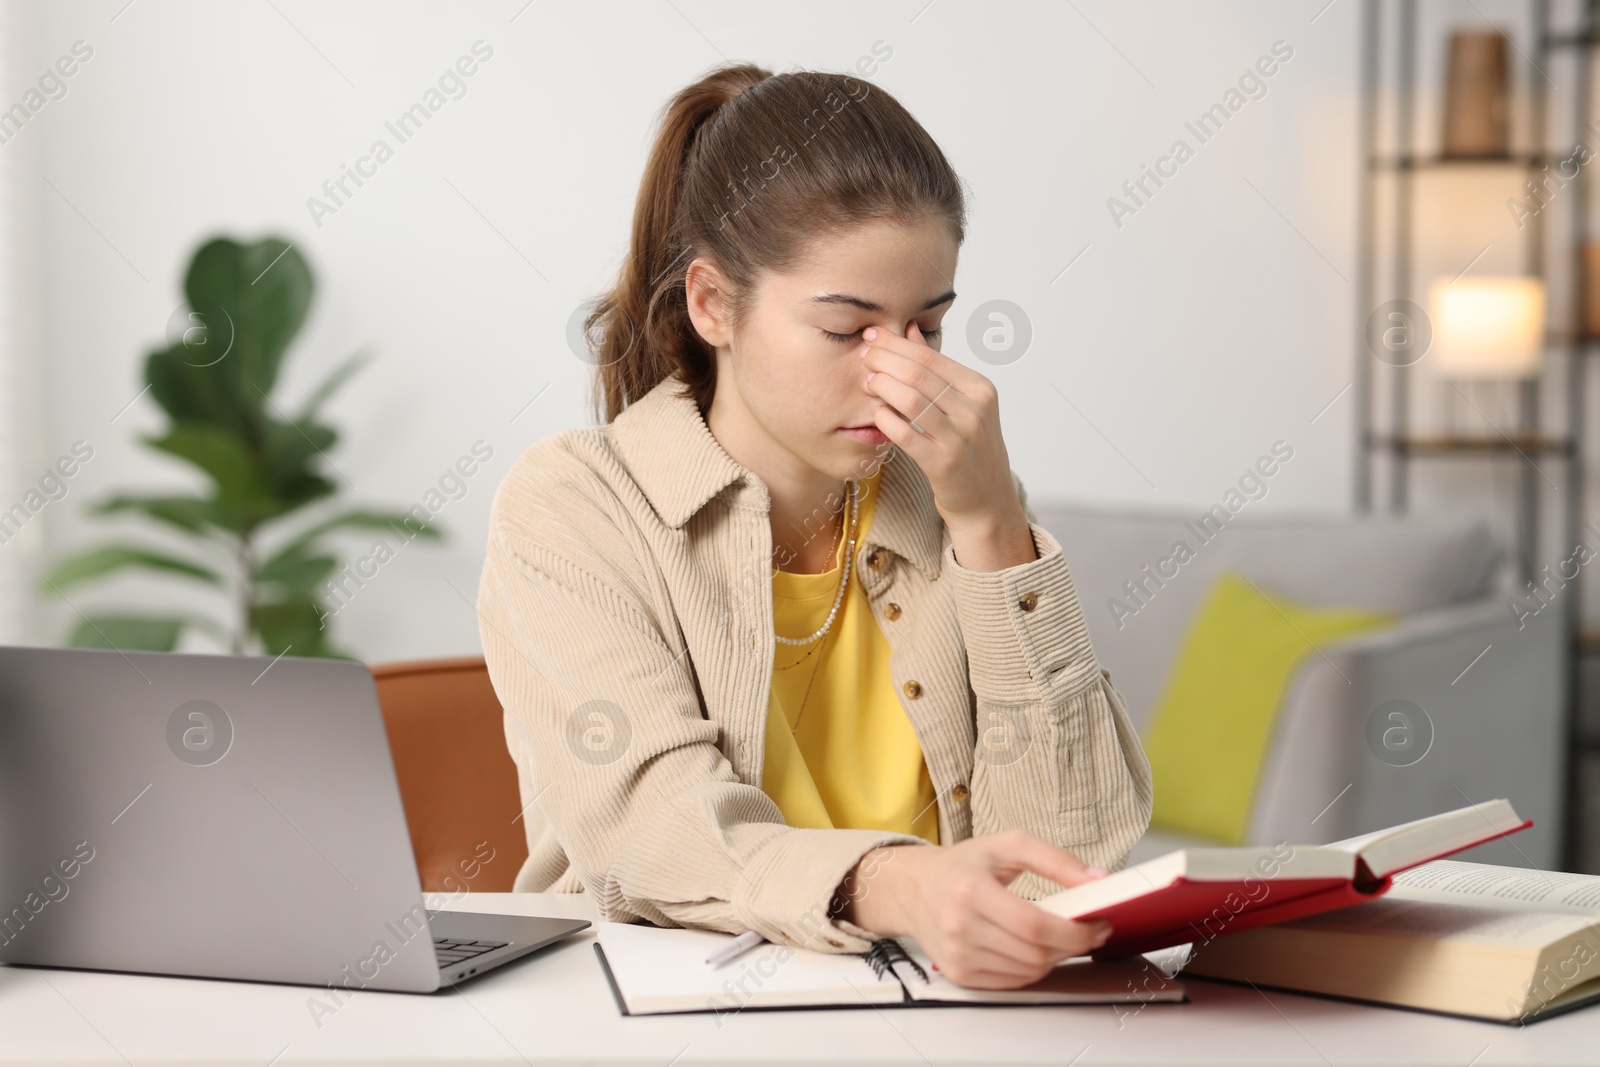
953	899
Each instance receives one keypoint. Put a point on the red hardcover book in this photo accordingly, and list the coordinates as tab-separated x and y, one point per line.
1194	894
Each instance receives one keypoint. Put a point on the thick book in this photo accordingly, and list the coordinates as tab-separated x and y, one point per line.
654	970
1196	894
1509	944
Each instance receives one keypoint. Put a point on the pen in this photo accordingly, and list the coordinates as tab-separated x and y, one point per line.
745	941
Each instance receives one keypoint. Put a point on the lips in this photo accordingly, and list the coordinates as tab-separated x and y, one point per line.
870	435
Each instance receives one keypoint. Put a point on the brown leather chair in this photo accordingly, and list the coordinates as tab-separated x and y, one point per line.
457	780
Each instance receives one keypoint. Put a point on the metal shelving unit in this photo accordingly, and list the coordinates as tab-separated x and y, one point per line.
1404	166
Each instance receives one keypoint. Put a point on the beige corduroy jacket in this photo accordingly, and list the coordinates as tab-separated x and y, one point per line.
626	614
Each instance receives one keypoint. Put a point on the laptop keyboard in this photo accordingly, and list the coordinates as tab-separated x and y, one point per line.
451	951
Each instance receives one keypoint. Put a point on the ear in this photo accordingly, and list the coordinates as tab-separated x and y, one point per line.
706	289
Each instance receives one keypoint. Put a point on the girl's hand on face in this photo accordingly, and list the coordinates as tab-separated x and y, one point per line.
946	417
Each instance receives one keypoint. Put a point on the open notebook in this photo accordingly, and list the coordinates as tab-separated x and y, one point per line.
654	970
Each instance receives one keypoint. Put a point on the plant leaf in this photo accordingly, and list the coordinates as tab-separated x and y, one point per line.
292	625
193	514
191	390
289	455
145	633
99	562
221	453
341	374
296	572
403	525
265	289
245	303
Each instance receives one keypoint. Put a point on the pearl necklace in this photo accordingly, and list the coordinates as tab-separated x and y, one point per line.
849	553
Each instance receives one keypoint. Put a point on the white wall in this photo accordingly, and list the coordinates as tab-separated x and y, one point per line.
1215	321
19	322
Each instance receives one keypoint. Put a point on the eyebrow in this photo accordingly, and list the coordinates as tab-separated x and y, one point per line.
867	305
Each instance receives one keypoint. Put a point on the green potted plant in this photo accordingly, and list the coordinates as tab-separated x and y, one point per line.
248	529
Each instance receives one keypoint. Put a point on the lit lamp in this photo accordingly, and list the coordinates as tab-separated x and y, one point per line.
1487	329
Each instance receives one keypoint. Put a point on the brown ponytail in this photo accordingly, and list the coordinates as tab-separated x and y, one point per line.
747	167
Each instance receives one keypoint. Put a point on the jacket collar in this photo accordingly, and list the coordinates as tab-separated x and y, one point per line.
664	442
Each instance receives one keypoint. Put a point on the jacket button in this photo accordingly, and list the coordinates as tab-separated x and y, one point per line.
891	611
1028	601
875	560
913	689
959	794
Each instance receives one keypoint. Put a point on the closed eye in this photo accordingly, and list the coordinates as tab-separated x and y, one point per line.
844	338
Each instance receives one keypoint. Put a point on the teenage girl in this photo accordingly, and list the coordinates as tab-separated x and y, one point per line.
780	642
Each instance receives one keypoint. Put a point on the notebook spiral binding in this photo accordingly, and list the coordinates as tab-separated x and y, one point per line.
886	951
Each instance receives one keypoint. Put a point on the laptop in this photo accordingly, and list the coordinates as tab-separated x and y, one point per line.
221	817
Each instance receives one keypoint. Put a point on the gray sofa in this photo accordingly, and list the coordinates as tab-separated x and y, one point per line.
1495	729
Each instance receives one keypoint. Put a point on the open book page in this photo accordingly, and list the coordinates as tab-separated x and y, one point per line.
1505	888
1424	916
1080	980
1450	900
1397	847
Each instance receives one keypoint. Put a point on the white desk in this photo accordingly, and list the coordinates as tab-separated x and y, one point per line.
555	1007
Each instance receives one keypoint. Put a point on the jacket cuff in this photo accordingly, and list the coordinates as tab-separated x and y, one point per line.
788	889
1025	635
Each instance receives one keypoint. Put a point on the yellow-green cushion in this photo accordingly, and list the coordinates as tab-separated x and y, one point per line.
1208	736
